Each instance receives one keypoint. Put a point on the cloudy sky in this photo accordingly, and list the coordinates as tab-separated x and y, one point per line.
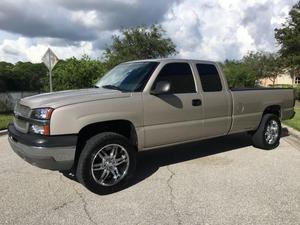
201	29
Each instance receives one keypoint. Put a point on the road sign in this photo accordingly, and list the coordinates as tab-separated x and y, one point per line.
50	60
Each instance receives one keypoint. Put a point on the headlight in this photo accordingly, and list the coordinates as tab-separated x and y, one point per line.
38	129
41	113
40	121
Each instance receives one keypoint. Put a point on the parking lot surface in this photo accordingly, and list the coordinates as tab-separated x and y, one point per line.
218	181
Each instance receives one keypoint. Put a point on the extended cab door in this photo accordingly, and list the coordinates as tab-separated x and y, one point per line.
216	100
174	117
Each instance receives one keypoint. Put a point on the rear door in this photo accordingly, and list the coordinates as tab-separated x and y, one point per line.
173	117
216	100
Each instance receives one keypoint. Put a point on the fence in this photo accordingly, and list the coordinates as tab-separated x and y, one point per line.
9	99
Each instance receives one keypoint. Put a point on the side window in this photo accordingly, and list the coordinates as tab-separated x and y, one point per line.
210	78
179	75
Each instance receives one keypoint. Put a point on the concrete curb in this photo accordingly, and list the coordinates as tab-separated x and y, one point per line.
292	131
3	132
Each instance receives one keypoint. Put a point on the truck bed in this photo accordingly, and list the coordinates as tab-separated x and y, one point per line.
250	103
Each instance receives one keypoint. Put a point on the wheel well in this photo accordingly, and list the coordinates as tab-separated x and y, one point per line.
273	109
123	127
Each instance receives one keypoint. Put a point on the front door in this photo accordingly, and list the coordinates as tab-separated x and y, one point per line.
177	116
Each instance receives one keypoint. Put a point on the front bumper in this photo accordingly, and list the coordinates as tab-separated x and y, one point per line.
47	152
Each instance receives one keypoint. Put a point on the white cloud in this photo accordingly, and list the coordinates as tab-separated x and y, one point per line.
224	29
22	49
14	50
206	29
86	18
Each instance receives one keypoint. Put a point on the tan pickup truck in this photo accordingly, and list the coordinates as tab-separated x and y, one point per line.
137	106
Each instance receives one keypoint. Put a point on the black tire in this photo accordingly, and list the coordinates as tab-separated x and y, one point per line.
84	172
259	136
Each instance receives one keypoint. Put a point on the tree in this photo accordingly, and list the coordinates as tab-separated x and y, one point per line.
5	74
238	74
273	66
23	76
253	67
75	73
255	62
139	43
28	76
288	36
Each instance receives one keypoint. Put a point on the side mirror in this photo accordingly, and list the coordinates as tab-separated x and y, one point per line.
161	88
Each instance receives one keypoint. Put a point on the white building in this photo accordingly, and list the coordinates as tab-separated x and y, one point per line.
282	79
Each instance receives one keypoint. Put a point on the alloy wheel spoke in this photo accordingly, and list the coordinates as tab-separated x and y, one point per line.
104	176
121	160
102	154
98	166
114	151
115	172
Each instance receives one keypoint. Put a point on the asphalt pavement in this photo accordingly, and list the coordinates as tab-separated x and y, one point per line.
218	181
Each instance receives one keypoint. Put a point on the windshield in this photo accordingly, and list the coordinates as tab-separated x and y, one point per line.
130	77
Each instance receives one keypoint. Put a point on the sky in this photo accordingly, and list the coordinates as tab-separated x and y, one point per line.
201	29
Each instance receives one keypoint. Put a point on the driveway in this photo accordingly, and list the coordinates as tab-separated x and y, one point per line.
219	181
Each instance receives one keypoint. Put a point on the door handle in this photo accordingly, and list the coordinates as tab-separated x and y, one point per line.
196	102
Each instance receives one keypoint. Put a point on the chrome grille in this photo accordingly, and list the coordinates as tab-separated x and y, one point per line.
23	111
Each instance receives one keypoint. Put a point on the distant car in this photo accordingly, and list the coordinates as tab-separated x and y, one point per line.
137	106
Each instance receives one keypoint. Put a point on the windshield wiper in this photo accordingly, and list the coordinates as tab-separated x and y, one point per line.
113	87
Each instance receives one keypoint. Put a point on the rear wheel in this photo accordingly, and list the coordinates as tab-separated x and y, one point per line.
267	136
106	163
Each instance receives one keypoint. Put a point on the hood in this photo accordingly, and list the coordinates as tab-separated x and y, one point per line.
62	98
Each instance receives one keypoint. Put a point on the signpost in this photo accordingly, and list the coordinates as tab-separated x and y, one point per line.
50	60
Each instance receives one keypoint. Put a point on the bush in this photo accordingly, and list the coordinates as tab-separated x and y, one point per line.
75	73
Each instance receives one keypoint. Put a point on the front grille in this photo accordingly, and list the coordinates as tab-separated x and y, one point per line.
20	124
22	110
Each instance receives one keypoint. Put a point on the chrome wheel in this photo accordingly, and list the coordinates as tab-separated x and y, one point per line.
272	132
110	165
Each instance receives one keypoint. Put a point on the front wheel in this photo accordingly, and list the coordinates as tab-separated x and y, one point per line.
268	134
106	163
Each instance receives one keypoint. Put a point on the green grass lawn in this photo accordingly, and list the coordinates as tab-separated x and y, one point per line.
5	119
295	122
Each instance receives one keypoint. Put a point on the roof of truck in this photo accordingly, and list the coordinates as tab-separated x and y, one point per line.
173	60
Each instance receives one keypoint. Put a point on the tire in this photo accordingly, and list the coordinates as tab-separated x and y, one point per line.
96	164
264	138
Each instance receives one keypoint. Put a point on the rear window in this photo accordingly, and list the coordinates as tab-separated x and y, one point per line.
209	77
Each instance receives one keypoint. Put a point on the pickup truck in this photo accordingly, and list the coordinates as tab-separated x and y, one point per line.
137	106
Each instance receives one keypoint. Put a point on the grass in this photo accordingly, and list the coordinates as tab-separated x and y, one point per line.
5	119
295	122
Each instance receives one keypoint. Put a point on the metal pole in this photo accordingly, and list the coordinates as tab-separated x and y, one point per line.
50	78
50	73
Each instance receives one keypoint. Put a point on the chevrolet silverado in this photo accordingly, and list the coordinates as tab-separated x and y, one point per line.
137	106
